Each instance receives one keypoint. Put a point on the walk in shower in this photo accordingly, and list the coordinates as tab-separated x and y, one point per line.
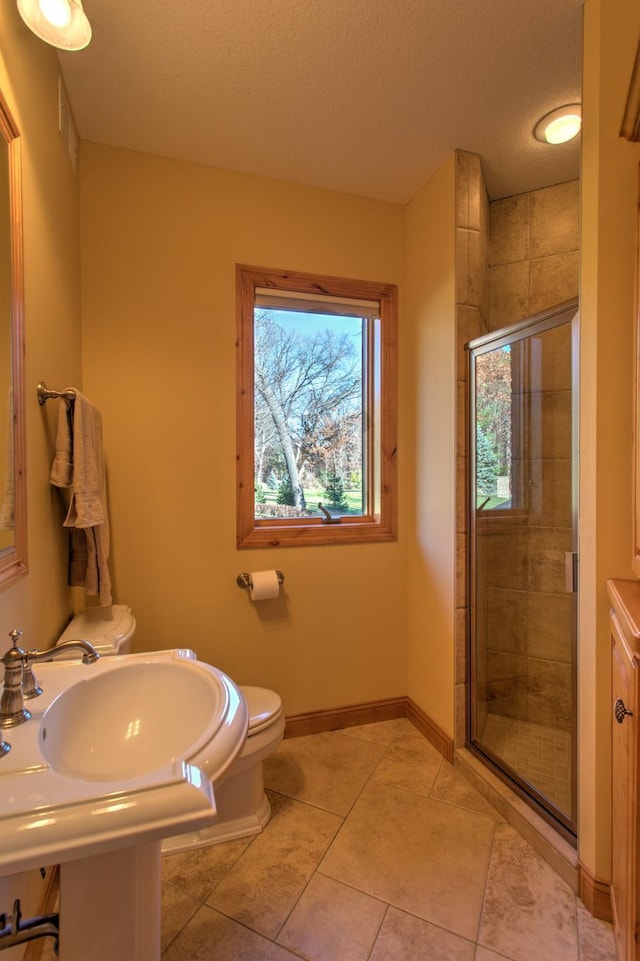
522	576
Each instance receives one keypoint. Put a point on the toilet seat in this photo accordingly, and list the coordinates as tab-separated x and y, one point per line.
265	707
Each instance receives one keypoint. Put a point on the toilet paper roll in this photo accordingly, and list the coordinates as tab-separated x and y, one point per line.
264	585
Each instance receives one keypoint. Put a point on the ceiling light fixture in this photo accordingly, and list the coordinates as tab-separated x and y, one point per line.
62	23
560	125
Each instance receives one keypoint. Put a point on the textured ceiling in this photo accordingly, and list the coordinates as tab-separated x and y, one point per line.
363	96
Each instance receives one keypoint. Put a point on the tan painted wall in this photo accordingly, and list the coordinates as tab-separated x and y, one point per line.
161	239
40	603
431	386
608	243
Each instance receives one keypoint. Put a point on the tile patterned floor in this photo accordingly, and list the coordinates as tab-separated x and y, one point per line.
541	755
377	850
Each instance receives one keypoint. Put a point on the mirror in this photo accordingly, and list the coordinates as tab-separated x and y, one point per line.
13	505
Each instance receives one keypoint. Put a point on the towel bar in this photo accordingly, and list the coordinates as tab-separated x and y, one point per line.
45	394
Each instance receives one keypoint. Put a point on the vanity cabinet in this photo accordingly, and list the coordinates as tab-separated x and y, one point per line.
625	770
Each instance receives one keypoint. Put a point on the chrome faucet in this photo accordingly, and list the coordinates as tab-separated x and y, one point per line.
19	681
89	653
30	687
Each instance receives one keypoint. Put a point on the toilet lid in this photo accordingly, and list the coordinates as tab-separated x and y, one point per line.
264	707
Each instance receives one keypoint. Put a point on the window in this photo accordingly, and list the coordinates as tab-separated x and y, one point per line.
316	409
494	377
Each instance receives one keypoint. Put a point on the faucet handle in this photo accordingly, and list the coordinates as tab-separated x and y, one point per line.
15	654
12	710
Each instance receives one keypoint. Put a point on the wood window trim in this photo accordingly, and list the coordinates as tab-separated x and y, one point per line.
380	525
630	127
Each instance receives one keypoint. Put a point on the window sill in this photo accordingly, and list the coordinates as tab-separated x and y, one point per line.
319	534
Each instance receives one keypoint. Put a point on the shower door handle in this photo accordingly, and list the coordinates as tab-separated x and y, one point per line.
571	571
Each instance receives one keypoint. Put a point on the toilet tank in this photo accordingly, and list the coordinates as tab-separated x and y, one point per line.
108	629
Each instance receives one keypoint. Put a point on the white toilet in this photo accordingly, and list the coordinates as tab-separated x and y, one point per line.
242	805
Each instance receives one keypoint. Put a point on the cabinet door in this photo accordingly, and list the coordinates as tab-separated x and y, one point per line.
624	794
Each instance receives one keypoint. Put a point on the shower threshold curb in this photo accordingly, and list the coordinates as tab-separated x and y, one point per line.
556	851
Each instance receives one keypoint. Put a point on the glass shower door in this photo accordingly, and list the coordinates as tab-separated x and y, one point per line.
522	717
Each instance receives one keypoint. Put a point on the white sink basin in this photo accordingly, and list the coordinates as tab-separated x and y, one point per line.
114	755
130	721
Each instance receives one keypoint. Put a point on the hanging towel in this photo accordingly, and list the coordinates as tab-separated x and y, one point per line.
79	465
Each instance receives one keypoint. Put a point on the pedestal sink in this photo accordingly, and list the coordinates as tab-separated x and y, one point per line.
151	712
106	768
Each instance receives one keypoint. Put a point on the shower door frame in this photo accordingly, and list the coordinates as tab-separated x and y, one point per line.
567	312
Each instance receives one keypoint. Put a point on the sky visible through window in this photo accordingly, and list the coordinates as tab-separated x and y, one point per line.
310	323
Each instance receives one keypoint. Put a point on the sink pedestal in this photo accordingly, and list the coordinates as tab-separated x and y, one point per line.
110	906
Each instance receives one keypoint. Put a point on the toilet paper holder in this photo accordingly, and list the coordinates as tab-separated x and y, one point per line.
244	580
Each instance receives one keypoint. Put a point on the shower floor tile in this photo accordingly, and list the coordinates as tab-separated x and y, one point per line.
541	755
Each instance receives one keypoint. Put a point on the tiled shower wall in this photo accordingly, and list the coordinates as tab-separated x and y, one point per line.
472	319
514	258
534	260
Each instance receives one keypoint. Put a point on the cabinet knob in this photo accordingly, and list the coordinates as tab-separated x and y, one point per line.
621	711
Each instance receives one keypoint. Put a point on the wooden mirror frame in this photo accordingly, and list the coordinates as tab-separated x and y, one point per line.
13	560
635	560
